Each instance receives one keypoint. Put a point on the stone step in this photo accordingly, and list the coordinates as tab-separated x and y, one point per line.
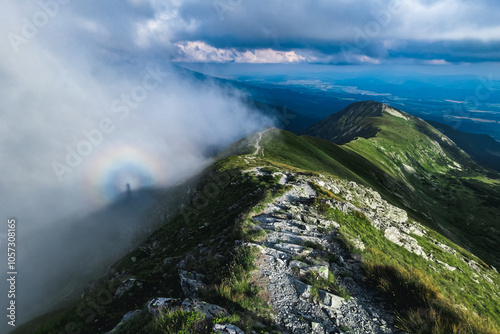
327	299
265	219
298	264
284	227
292	249
281	226
277	254
289	237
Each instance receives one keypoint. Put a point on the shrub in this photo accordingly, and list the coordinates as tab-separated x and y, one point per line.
179	322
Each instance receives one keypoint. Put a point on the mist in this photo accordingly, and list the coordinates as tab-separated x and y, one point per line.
88	110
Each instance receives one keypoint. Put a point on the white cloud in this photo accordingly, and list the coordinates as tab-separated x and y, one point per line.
436	62
201	52
55	92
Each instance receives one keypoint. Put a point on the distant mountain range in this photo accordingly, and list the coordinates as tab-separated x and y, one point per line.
276	103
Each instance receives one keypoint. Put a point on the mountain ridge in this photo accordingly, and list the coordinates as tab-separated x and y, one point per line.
343	126
363	119
296	234
435	173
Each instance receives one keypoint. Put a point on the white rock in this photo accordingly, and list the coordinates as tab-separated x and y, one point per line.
227	329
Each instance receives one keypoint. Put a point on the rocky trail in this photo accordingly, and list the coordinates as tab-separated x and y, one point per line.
284	260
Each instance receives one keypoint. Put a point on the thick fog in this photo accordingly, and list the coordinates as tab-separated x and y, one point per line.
88	109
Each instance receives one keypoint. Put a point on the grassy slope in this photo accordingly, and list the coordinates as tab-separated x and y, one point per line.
288	151
408	280
230	287
464	206
463	202
430	174
482	148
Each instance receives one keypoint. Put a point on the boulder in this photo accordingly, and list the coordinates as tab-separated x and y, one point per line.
303	289
125	286
227	329
157	306
209	310
191	283
330	300
128	316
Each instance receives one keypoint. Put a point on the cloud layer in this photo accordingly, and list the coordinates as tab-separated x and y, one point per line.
357	31
202	52
332	31
88	108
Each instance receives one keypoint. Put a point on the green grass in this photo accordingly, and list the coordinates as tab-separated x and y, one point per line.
451	202
346	329
419	304
303	154
420	294
235	289
175	321
314	245
324	193
236	292
454	198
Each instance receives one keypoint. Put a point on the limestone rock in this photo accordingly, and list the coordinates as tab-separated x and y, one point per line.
191	283
330	300
227	329
126	286
156	306
128	316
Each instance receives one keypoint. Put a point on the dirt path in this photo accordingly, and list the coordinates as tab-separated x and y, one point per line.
257	142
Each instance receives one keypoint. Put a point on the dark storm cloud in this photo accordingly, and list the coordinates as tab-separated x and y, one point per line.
468	50
377	29
320	31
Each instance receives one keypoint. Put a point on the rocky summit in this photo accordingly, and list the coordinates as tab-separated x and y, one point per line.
289	234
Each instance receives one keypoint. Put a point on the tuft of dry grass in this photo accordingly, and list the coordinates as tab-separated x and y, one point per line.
420	306
325	193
